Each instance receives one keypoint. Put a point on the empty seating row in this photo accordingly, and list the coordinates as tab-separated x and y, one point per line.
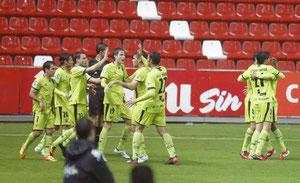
18	60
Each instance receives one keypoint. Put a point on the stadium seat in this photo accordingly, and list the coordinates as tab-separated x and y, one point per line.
26	6
297	11
172	48
112	43
258	30
159	29
265	11
294	30
87	7
131	46
46	7
89	45
107	8
186	10
232	49
59	26
51	45
127	9
38	25
39	60
273	47
150	45
147	10
298	66
31	44
245	11
278	31
99	27
250	47
67	8
238	30
7	7
243	64
219	30
167	62
5	60
56	61
10	44
139	28
206	10
285	12
119	27
4	25
23	60
225	64
206	64
166	10
180	30
71	45
192	48
188	64
291	50
79	26
213	50
226	11
18	25
128	62
286	66
199	29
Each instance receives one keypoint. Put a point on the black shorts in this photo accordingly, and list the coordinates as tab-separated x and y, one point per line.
96	106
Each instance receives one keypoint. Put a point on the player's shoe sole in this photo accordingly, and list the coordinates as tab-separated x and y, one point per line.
49	158
122	153
244	154
21	153
284	155
132	161
172	161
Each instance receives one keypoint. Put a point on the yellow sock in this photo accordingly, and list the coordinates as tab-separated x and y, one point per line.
169	144
247	139
136	142
102	139
124	136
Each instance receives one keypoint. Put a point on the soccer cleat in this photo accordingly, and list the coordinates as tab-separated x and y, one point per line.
21	153
250	157
284	154
244	154
49	158
52	150
172	161
270	153
122	153
135	161
143	159
258	157
63	149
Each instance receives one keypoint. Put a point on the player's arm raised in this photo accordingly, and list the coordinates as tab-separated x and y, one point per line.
96	66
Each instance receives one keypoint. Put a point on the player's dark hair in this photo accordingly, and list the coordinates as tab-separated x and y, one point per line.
142	174
143	54
77	56
100	47
155	57
47	65
255	55
262	56
83	128
116	52
63	57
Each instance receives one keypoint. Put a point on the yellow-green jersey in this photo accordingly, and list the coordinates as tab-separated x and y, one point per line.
78	83
140	76
249	85
45	92
156	79
62	81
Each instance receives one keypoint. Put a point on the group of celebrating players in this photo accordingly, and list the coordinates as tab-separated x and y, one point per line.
60	99
261	108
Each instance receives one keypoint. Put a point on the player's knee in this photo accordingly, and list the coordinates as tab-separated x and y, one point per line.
37	133
56	127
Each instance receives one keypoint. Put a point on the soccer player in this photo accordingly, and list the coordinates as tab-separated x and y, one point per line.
42	95
153	108
114	106
96	106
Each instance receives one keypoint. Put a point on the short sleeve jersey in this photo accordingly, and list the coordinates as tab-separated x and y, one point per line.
140	76
156	79
78	84
62	83
97	72
45	92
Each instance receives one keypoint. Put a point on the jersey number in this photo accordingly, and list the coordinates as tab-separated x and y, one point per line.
261	82
163	82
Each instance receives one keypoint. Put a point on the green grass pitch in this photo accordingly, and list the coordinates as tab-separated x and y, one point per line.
207	153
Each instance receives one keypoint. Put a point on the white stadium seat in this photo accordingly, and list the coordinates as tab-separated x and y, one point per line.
180	30
147	10
212	49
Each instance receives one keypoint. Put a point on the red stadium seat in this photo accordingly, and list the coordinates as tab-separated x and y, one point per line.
59	25
232	49
131	46
5	60
18	24
297	11
294	31
107	8
140	28
188	64
23	60
99	27
265	11
79	26
186	10
71	45
167	62
159	29
298	66
286	66
31	44
278	31
250	47
119	27
238	30
11	44
112	43
87	7
243	64
46	7
206	64
127	9
273	48
3	25
225	64
166	9
219	30
258	30
291	50
226	11
128	62
38	25
7	7
206	10
284	11
56	61
26	6
150	45
89	45
192	48
199	29
172	48
66	7
245	10
51	45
